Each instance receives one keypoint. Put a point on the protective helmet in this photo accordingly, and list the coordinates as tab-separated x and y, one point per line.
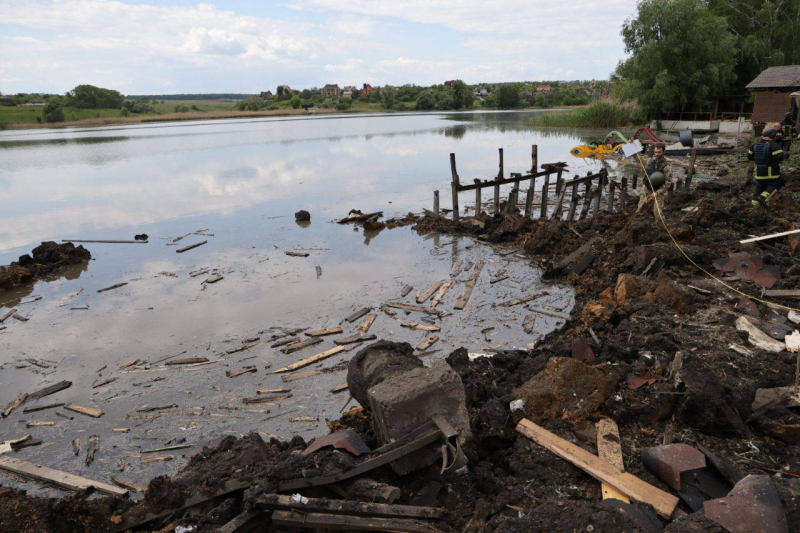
657	180
769	134
787	115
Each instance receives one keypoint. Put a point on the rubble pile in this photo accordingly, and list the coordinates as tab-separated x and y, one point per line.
45	259
691	380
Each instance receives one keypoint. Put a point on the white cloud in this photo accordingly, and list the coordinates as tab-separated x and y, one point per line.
213	41
349	65
350	25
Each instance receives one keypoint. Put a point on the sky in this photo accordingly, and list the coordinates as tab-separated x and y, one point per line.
175	46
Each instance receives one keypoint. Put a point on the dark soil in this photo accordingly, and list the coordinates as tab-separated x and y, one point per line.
656	316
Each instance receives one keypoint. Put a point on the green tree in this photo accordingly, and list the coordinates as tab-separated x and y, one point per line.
53	111
682	56
426	101
252	103
91	97
508	96
388	97
125	112
295	101
462	95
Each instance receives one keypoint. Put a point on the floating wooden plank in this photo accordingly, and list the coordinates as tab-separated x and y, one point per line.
103	383
127	365
190	247
241	371
157	408
186	361
355	339
121	430
284	342
115	286
103	241
339	388
422	298
21	318
427	343
130	485
36	424
88	411
52	389
297	346
8	315
439	295
413	308
523	300
57	478
266	399
272	391
310	360
375	510
301	375
168	448
664	503
14	404
41	408
156	458
406	290
421	327
323	332
473	279
211	281
358	314
783	293
772	236
498	279
609	449
296	254
346	522
367	323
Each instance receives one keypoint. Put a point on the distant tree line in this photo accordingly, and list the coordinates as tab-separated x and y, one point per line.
191	96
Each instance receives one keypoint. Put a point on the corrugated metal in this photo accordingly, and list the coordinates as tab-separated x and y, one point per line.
770	106
777	78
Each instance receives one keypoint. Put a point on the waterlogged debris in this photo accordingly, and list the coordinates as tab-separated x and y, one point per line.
414	308
14	404
367	323
272	391
187	361
52	389
296	254
132	363
297	346
403	293
284	342
462	301
88	411
35	424
41	408
355	339
156	458
21	318
324	332
523	300
442	291
168	448
8	315
422	298
310	360
76	446
190	247
266	399
115	286
157	408
56	477
211	281
130	485
300	375
102	383
427	343
241	371
358	314
94	447
421	327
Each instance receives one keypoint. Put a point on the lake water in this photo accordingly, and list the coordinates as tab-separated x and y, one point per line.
241	181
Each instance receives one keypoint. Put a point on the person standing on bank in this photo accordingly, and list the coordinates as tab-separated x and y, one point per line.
767	155
657	171
789	132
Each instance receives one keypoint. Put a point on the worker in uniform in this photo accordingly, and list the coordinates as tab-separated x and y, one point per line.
767	155
788	131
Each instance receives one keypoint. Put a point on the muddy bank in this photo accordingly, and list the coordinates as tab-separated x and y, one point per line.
652	344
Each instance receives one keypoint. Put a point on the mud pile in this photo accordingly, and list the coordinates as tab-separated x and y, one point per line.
652	344
47	258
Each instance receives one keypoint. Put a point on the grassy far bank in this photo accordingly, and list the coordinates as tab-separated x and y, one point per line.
607	113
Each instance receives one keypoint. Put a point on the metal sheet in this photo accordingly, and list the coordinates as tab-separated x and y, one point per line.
346	439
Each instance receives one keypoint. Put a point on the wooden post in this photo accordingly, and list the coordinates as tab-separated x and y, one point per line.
543	211
477	200
436	202
559	181
623	195
529	203
497	187
635	181
534	158
690	173
598	195
611	186
573	203
454	185
587	198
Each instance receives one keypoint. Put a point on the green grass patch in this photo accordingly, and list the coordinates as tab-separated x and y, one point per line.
605	114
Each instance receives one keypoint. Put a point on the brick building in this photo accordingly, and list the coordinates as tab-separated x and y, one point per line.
774	88
331	90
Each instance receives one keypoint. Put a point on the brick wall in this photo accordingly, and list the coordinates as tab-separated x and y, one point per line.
770	106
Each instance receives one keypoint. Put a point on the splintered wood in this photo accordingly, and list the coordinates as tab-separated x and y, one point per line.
297	346
462	301
310	360
367	323
57	478
422	298
523	300
88	411
427	343
609	449
324	332
439	295
421	327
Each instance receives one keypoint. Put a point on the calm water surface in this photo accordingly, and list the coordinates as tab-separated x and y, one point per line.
241	181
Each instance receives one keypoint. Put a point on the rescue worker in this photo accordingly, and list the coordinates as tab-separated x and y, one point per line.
658	163
788	130
767	155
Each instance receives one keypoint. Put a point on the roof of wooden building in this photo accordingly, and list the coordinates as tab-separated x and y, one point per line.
777	78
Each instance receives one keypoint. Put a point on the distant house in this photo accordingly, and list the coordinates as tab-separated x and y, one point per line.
448	85
33	104
331	90
348	91
774	98
544	89
367	89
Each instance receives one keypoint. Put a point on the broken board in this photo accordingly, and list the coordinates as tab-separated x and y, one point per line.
609	449
310	360
56	477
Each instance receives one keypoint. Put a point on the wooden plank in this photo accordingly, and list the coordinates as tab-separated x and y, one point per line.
367	323
309	360
783	293
422	298
524	299
88	411
664	503
8	315
190	247
464	298
346	522
130	485
413	308
323	332
375	510
115	286
14	404
339	388
241	371
168	448
297	346
427	343
103	241
296	254
36	424
52	389
439	295
358	314
41	408
421	327
186	361
56	477
609	449
355	339
156	458
266	399
301	375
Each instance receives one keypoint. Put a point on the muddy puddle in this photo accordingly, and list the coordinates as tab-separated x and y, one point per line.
238	190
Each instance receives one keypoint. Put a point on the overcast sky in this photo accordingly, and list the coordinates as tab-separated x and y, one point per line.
174	46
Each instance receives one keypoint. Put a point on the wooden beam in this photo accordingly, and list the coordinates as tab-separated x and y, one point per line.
783	293
104	242
422	298
664	503
323	332
297	346
310	360
375	510
413	308
191	247
422	327
346	522
454	186
462	301
768	237
88	411
57	478
439	295
609	449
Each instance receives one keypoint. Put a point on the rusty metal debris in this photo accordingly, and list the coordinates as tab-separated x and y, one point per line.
749	267
582	351
346	439
752	505
636	382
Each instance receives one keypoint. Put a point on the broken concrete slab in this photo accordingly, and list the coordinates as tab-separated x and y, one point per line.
376	363
752	505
